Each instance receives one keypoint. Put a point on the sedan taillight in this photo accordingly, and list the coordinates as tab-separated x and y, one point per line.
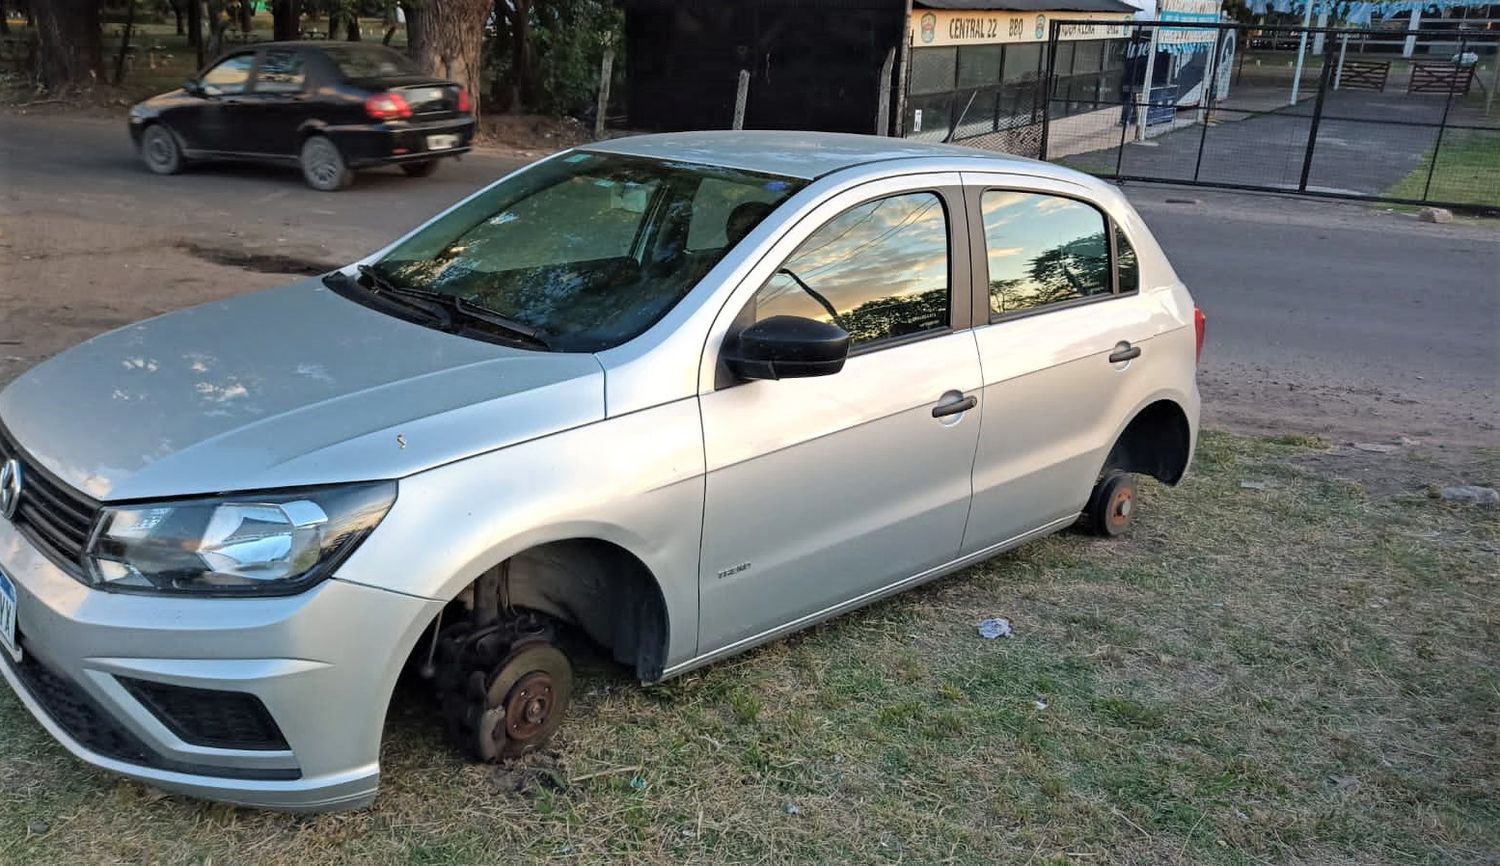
387	106
1200	323
464	104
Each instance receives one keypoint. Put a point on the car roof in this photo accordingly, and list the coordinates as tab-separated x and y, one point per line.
807	155
318	44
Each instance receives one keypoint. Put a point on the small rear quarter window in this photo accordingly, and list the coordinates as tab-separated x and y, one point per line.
1128	266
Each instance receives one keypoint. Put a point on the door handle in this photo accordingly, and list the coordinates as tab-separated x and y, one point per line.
943	410
1124	352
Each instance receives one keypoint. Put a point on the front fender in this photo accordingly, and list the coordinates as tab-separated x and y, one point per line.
635	481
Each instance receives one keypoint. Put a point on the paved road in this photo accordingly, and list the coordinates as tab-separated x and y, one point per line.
1331	317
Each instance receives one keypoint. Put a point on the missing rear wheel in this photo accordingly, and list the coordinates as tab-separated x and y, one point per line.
1111	505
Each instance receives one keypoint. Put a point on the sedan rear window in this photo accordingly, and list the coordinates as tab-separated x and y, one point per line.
370	61
588	249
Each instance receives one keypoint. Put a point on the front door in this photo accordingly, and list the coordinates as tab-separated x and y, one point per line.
824	490
219	122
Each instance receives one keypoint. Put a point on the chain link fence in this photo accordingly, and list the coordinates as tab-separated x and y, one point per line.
1379	114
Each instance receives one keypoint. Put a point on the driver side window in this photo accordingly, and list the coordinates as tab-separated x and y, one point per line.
229	76
878	270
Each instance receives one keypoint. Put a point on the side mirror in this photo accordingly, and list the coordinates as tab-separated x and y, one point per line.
787	347
192	88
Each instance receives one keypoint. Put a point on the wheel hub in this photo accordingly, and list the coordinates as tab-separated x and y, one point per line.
529	706
1119	507
504	693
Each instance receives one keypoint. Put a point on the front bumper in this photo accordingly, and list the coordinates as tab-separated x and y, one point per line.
400	141
322	664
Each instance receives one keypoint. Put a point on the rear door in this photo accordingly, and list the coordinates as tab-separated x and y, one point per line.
277	104
1064	352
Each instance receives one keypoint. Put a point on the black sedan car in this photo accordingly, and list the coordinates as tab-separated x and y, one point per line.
329	107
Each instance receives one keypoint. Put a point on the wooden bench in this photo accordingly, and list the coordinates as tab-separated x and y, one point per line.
1439	76
1364	75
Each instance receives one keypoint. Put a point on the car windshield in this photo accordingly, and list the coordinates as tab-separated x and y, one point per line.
370	61
587	249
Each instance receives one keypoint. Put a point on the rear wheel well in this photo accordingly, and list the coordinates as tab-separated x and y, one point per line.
599	588
1156	442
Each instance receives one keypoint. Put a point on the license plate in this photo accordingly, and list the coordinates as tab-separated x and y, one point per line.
8	617
441	142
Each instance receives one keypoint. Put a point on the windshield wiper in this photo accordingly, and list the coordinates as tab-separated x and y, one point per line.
381	287
455	306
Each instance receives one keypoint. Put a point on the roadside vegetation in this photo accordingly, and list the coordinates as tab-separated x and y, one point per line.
1468	169
517	57
1277	666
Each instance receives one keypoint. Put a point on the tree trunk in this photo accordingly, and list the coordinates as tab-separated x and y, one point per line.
520	54
247	15
219	18
69	49
125	42
177	14
195	29
333	23
388	21
68	45
286	18
4	22
416	28
452	43
351	29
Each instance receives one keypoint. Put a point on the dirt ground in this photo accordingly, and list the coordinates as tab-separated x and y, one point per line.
67	279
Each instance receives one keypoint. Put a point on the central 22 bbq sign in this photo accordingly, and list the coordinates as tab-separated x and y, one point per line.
985	28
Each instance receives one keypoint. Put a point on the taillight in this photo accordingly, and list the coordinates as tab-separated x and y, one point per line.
1200	322
387	106
463	101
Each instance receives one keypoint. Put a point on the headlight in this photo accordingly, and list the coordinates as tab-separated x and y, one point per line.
244	544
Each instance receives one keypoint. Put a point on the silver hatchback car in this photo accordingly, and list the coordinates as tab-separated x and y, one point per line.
678	395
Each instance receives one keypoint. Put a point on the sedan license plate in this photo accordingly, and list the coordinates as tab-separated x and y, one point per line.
8	617
442	142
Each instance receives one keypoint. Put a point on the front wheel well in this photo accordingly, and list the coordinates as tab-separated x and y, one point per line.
1156	442
595	586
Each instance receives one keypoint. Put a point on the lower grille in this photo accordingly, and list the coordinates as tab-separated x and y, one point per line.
76	713
207	717
87	723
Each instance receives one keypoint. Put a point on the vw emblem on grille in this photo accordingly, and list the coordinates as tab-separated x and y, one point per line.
10	488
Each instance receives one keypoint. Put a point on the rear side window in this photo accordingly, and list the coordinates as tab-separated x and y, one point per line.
878	270
281	71
1042	250
370	61
229	76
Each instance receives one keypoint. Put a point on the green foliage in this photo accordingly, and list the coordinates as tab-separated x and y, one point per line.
567	43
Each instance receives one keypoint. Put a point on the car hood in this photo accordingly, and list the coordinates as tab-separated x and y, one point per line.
281	388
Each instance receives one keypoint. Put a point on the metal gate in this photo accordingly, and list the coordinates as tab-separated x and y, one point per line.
1388	115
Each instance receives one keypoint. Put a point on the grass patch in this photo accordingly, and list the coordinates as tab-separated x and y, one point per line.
1303	673
1467	172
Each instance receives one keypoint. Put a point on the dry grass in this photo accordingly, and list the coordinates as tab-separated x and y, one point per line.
1301	674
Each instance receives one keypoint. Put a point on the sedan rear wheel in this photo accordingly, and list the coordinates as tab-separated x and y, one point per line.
160	151
323	166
